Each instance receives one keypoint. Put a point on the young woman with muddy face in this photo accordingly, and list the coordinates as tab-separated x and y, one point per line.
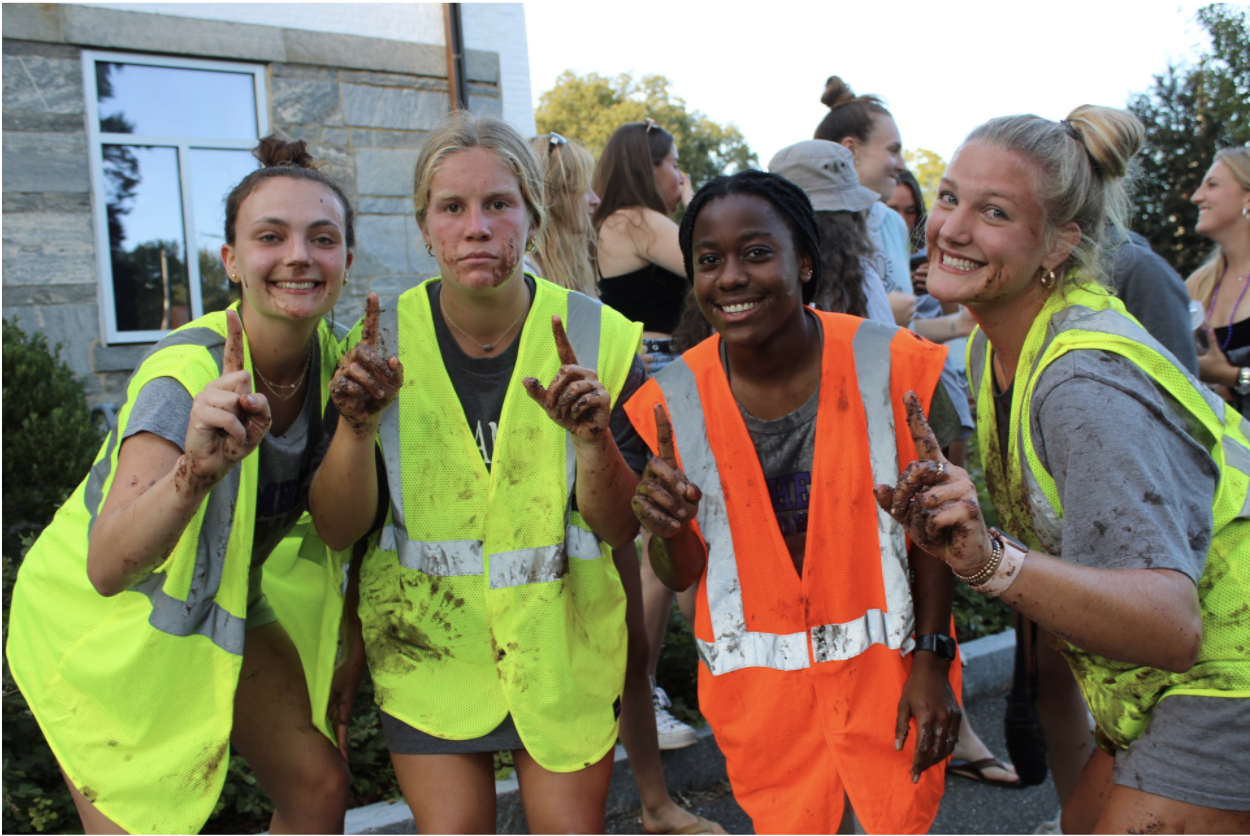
1134	576
492	614
185	513
771	374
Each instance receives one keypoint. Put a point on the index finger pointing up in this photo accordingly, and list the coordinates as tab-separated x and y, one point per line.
664	437
232	357
369	334
563	347
922	436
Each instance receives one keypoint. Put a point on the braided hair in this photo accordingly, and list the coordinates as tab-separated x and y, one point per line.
788	199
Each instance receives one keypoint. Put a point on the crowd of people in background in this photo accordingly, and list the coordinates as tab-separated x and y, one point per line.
755	397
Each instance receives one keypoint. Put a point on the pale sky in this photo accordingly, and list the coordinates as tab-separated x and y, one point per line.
942	68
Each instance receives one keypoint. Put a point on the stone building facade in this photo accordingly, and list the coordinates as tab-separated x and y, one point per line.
362	103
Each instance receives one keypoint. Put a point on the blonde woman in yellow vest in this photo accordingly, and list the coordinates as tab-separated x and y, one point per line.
1124	477
492	613
140	632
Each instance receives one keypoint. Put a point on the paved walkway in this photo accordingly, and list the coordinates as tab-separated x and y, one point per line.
968	806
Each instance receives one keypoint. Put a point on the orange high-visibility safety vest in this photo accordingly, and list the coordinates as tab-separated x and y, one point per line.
801	677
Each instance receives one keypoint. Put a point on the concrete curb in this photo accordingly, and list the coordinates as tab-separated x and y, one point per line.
987	666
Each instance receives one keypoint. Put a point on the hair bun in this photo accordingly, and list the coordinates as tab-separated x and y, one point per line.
273	150
1112	137
837	92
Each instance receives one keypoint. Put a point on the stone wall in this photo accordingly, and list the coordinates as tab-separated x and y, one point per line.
363	105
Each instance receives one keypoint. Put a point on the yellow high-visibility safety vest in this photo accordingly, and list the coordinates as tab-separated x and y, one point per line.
489	594
135	692
1122	695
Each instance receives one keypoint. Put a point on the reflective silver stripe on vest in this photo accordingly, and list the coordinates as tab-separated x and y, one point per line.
894	627
93	494
451	558
200	614
735	646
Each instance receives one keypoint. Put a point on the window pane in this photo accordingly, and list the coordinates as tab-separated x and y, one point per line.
163	101
213	174
150	287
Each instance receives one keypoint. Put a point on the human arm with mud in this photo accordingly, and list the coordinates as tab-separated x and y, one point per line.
578	402
158	488
666	503
343	497
1141	616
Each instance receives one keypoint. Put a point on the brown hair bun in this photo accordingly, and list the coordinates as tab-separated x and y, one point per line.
837	92
274	150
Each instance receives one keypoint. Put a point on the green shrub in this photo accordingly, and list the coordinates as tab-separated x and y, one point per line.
50	436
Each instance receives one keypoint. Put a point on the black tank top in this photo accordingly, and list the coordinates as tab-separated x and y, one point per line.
652	296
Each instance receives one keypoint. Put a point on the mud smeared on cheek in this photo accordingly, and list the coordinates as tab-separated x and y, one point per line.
509	259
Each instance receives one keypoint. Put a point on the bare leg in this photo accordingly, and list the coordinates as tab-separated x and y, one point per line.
1065	722
93	821
970	747
657	601
659	813
450	793
685	603
1133	811
561	802
1089	798
296	764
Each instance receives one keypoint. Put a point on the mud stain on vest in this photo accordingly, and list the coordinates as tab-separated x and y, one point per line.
203	774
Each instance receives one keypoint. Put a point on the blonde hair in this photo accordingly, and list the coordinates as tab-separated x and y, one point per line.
564	253
461	131
1083	167
1201	283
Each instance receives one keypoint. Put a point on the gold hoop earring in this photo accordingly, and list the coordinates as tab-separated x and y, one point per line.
1049	279
1245	212
529	245
429	249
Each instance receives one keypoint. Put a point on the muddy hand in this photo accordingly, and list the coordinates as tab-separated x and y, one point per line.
228	420
936	502
366	381
665	501
576	399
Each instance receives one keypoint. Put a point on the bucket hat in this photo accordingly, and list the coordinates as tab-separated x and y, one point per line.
826	172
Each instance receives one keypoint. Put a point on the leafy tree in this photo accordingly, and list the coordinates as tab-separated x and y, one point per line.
589	108
1191	112
927	167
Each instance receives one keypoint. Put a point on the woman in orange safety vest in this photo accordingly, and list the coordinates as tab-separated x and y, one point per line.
810	610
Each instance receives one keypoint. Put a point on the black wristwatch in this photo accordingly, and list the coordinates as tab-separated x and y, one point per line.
940	644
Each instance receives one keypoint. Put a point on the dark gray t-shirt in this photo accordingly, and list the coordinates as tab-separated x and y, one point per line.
786	447
1155	294
482	383
163	407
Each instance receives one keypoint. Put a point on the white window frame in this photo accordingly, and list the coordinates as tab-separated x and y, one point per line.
97	139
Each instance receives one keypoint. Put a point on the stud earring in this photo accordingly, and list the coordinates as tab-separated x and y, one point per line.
1245	212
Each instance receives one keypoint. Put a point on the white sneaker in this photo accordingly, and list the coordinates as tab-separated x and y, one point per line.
672	733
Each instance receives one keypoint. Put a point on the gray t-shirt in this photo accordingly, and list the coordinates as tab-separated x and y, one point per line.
1155	294
1137	484
786	446
163	407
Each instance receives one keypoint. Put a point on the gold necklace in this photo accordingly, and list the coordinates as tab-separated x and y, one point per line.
490	346
293	387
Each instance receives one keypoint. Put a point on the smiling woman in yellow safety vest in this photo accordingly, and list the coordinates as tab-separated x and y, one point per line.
493	615
148	631
1124	477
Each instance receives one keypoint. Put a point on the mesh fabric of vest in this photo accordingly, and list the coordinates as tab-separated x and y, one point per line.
449	654
1121	695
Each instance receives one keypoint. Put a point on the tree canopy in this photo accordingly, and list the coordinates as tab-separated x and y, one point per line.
927	167
589	108
1192	111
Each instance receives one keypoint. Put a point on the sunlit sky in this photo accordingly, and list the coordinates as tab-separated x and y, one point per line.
942	67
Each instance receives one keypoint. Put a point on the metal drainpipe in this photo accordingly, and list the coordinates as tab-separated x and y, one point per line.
453	36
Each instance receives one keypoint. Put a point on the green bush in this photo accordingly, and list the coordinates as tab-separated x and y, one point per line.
50	435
